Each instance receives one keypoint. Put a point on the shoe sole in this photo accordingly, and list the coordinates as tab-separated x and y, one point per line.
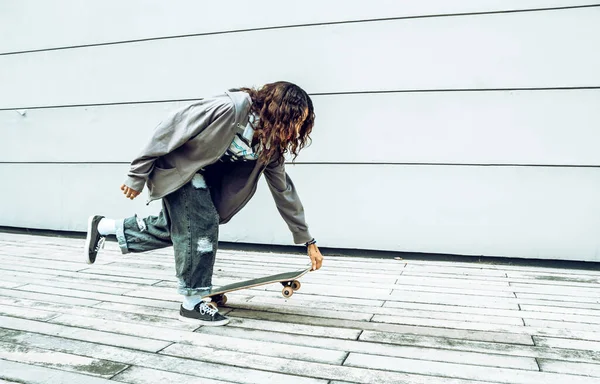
88	240
191	320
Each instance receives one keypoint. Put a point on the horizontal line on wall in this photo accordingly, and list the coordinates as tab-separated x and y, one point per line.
337	163
515	89
454	164
305	25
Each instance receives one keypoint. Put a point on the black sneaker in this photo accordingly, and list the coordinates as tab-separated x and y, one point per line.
94	241
203	314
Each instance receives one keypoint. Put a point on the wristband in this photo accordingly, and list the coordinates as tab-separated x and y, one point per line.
311	242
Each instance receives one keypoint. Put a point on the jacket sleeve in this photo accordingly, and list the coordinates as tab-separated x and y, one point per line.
287	201
174	131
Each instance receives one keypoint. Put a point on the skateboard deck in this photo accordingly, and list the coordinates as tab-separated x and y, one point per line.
287	279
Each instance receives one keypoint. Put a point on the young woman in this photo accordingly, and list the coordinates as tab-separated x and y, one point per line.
204	161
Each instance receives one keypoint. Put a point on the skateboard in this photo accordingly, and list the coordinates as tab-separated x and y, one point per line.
287	279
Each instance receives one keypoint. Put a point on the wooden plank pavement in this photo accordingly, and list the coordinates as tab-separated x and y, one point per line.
357	320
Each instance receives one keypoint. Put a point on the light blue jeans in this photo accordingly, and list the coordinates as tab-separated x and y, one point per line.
190	223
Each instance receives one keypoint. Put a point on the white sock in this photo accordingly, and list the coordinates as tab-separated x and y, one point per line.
107	227
189	302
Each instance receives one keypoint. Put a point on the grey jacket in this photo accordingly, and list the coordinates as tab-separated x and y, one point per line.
194	138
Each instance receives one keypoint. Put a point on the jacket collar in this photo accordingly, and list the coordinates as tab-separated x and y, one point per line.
241	103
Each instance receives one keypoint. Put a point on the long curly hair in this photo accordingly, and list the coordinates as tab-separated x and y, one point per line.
282	108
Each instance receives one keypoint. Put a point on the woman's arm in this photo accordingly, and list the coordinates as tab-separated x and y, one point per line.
174	131
290	207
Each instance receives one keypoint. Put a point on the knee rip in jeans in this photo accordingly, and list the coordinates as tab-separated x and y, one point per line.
205	245
198	181
140	223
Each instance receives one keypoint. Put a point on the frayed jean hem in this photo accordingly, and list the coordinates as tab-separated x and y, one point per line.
186	291
120	227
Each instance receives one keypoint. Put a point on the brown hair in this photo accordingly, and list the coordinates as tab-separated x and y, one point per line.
281	106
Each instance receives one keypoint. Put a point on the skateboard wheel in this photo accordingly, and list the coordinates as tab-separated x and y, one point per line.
287	292
296	285
220	300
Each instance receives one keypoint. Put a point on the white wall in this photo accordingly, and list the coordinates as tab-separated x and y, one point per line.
447	127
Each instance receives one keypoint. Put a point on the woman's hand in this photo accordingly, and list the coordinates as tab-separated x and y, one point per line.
315	256
129	193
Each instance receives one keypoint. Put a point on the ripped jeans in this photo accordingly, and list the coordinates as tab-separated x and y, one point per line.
190	223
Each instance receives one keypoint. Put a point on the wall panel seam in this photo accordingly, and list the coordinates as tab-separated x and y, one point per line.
516	89
307	25
289	164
